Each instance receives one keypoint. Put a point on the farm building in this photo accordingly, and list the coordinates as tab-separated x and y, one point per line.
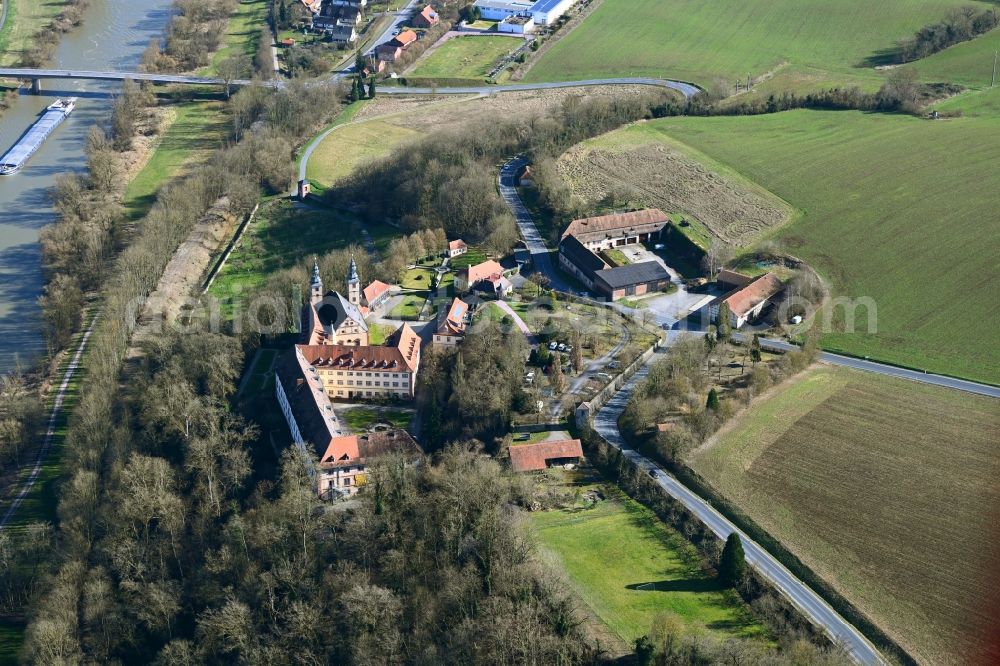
585	239
542	12
538	456
748	302
489	276
456	248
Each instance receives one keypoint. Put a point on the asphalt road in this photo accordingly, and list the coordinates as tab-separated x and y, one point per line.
841	631
402	16
685	89
890	370
541	259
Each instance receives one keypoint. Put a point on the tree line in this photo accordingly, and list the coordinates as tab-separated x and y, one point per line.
448	179
961	25
195	32
43	45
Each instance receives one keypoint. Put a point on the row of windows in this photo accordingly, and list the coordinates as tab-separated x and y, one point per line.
350	382
368	394
351	373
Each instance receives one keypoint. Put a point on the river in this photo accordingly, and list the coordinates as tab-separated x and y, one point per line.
113	36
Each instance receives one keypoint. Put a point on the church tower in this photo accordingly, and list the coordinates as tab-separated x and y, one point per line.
353	284
315	284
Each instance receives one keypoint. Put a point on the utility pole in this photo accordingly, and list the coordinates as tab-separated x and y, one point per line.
748	82
993	81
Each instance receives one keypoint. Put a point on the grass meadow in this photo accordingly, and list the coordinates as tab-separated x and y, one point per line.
885	487
729	39
198	129
611	549
352	145
891	207
468	57
242	34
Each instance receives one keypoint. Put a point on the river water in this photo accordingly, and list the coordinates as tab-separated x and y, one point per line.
113	36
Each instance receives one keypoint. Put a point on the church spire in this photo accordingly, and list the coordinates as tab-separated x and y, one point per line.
316	283
353	283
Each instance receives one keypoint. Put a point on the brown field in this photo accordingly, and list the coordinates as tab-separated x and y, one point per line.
886	488
653	174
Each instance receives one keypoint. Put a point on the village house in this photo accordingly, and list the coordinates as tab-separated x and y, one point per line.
457	248
342	465
374	296
538	456
585	239
489	277
426	18
393	49
451	324
747	302
338	21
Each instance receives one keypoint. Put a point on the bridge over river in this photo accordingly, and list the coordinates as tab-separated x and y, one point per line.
36	76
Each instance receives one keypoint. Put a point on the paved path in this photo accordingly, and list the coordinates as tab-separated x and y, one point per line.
810	603
518	322
685	89
50	431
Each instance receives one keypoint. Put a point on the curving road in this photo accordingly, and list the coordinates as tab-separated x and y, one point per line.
810	603
890	370
685	89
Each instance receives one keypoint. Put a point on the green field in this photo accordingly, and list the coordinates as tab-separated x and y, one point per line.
886	488
25	19
468	57
889	207
418	278
729	39
352	145
612	549
198	129
969	63
408	308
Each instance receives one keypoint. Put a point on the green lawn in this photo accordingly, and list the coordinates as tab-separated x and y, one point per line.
419	277
886	488
408	308
608	551
617	257
352	145
361	418
198	129
703	41
468	57
472	257
889	207
242	34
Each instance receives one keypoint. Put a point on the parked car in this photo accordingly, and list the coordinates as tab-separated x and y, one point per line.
561	347
613	365
553	345
652	473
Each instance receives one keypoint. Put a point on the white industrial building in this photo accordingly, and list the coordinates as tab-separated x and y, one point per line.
544	12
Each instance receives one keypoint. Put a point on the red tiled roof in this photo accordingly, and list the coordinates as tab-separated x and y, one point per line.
454	322
530	457
484	271
405	38
746	299
456	244
429	14
616	224
375	289
340	449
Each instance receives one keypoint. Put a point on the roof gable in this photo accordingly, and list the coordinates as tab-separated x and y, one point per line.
334	310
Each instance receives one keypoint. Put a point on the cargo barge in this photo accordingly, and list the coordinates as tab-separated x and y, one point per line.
21	152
